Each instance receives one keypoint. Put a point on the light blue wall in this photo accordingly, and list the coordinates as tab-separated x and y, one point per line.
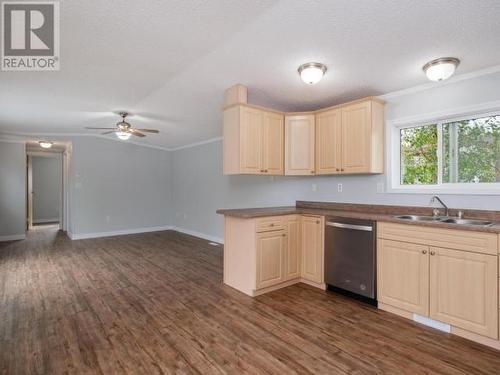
199	188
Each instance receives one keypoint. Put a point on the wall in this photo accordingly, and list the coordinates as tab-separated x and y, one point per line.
199	188
12	190
47	184
118	187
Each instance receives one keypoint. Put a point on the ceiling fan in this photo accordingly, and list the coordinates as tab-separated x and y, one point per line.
124	130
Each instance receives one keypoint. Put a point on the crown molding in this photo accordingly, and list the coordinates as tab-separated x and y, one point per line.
211	140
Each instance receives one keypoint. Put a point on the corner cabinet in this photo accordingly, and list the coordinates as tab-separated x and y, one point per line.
253	141
445	274
299	141
350	139
264	254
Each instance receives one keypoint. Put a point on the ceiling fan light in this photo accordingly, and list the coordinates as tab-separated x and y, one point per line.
441	69
312	73
123	135
45	144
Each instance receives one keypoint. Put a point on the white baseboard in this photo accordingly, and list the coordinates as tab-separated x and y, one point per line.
41	221
14	237
194	233
81	236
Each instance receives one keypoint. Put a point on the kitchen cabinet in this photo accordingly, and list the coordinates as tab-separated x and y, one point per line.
253	141
403	275
271	248
293	248
313	248
299	145
329	142
455	282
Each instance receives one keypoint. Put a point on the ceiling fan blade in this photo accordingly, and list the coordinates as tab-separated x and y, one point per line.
148	130
139	134
112	131
99	128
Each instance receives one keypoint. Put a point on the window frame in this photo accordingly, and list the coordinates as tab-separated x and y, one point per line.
393	154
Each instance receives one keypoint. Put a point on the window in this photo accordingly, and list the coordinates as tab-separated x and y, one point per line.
458	153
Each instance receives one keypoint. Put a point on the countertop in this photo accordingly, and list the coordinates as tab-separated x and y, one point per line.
358	213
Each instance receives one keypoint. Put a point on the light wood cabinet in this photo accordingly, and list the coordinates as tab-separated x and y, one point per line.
463	290
403	275
253	141
299	141
293	249
313	248
271	248
329	142
455	282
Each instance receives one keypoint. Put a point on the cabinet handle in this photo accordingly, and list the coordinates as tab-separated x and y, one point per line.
265	171
317	221
261	171
284	235
433	253
272	224
424	251
342	169
312	172
338	170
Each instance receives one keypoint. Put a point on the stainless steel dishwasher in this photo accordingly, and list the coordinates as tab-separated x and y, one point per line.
350	263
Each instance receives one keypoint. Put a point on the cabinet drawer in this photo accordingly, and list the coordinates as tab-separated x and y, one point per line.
478	242
270	223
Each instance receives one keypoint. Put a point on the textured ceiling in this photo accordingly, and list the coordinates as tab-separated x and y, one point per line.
170	61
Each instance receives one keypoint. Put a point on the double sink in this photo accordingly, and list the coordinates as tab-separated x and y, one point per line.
446	219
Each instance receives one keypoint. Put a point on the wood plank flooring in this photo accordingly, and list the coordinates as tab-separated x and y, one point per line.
155	304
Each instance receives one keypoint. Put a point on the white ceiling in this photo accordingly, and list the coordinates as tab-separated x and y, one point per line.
170	61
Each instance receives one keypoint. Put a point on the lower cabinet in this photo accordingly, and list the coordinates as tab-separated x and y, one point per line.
271	251
313	248
293	248
453	286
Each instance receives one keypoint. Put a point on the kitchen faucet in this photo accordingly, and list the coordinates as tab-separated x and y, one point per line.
436	198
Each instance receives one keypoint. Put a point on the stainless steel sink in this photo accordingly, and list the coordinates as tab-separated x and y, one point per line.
419	218
482	223
447	220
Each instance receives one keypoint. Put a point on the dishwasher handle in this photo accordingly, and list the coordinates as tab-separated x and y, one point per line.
365	228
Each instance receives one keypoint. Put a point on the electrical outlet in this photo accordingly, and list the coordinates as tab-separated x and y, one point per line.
314	187
380	187
339	188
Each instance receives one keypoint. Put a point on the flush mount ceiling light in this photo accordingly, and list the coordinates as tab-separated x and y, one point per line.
441	69
123	135
311	73
45	144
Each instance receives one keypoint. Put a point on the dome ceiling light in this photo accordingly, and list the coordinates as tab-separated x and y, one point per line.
441	69
311	73
45	144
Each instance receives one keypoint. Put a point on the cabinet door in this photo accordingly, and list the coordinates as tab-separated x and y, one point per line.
273	151
356	138
329	142
293	253
463	290
403	275
312	249
251	126
299	145
270	258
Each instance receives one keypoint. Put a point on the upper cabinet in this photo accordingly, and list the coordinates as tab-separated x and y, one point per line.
299	141
345	139
253	141
350	139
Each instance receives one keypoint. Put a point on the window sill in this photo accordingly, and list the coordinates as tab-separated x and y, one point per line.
447	190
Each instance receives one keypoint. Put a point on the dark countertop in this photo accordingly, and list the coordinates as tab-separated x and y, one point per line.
368	212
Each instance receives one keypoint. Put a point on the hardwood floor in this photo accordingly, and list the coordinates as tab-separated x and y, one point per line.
154	304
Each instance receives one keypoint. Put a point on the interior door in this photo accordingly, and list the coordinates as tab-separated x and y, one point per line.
329	142
464	290
403	275
312	248
299	141
270	258
251	125
356	138
273	144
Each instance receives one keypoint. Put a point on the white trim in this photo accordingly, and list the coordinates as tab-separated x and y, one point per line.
211	140
452	114
431	85
436	324
14	237
5	140
81	236
194	233
41	221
